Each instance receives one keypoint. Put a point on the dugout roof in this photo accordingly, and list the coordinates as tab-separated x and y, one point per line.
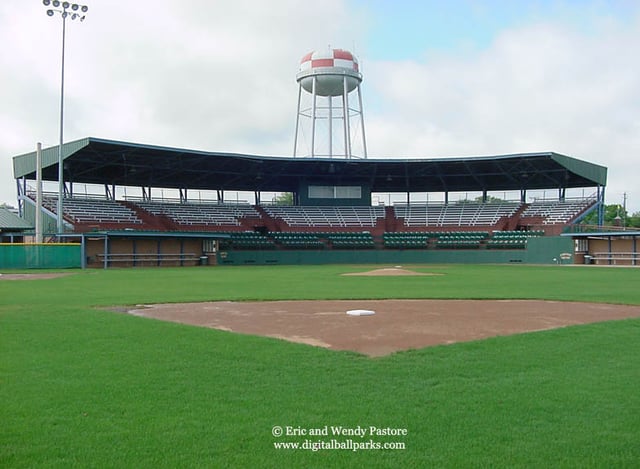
98	161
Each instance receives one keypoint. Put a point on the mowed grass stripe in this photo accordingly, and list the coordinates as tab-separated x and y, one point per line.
88	388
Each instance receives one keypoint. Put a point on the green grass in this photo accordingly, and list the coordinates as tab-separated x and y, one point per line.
83	387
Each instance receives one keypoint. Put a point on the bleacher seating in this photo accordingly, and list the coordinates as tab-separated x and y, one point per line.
93	211
293	240
362	240
246	240
339	217
206	214
461	240
511	239
556	211
455	214
406	240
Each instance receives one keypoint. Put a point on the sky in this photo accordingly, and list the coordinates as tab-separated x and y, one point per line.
440	78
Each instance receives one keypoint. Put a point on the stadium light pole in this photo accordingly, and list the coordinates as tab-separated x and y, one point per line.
72	11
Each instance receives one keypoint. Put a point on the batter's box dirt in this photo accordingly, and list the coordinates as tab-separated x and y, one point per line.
396	324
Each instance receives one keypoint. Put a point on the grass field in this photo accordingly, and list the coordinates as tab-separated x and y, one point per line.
84	387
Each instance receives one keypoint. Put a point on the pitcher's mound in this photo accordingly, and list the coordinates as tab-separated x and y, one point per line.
389	271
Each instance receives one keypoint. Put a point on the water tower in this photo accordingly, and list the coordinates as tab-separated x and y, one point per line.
329	77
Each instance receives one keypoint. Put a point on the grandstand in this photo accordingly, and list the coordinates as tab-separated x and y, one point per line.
187	215
456	214
332	217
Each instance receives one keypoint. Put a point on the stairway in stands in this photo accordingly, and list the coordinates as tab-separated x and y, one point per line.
151	221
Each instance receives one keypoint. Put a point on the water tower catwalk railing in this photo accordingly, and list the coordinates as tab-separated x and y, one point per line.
325	76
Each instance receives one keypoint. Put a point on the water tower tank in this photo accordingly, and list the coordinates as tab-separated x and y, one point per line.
329	68
325	111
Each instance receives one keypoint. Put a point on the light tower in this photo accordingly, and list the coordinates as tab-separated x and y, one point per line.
71	11
328	77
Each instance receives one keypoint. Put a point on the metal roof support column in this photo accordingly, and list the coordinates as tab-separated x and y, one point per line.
601	207
134	250
21	194
83	252
106	251
39	192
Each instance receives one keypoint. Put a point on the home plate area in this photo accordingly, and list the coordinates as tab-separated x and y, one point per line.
381	327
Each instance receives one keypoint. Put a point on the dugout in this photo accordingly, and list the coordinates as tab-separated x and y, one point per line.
621	248
148	249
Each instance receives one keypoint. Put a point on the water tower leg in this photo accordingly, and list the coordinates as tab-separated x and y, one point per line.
295	141
347	127
330	98
364	139
313	117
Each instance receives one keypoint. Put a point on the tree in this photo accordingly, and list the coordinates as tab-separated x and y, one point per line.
285	198
611	214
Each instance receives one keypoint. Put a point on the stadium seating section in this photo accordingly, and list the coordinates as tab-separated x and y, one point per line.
335	217
246	240
511	239
455	214
556	211
459	225
93	211
200	213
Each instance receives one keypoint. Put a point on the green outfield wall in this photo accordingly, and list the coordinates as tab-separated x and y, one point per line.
543	250
40	256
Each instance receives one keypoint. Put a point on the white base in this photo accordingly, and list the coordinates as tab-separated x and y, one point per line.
360	312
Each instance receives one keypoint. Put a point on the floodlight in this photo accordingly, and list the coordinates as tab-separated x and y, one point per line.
46	2
85	8
74	7
65	5
64	14
50	12
56	3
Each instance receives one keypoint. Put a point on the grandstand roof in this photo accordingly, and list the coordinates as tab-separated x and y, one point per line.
98	161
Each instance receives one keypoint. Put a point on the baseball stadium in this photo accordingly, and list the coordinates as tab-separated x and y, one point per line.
169	307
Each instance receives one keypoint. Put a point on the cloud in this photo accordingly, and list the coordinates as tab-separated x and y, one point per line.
537	88
220	76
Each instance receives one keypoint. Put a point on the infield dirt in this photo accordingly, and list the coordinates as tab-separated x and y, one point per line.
396	324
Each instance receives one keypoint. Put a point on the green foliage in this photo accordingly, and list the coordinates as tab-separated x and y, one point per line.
614	215
285	198
84	387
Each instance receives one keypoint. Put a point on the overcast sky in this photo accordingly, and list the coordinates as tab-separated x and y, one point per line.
441	78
